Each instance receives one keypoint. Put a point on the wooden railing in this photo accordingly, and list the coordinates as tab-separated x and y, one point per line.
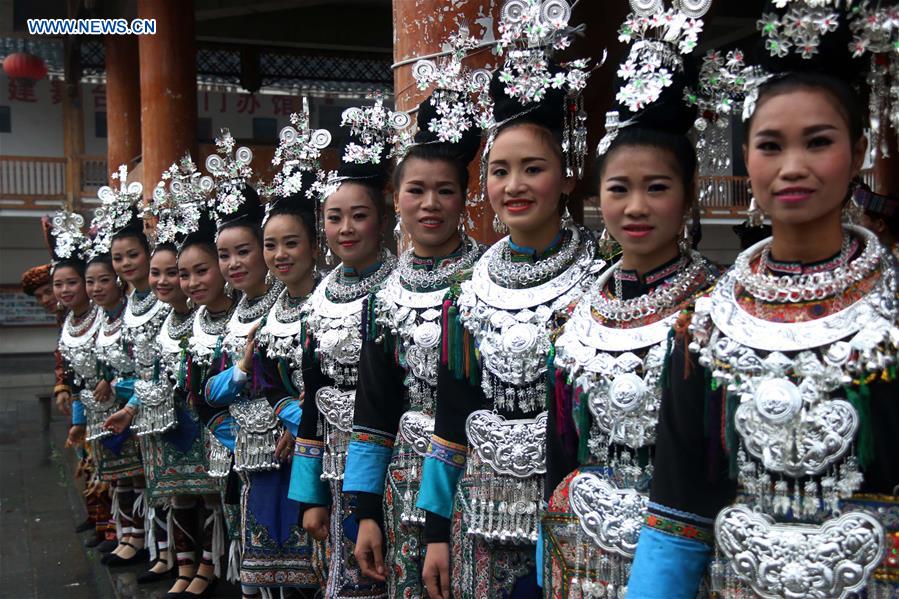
38	183
723	196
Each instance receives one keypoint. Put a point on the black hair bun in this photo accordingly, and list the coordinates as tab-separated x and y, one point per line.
204	233
548	112
464	150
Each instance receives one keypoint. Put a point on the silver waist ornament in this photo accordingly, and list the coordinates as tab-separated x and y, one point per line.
415	430
511	326
279	338
96	413
257	437
218	457
506	467
797	432
336	407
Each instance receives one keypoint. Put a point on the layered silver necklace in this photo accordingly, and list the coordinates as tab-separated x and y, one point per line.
439	278
807	286
797	430
340	289
206	333
76	345
279	337
504	271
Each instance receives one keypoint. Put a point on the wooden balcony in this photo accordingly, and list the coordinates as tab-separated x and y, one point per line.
39	184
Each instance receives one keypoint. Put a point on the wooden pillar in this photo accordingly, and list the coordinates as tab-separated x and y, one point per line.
123	110
420	27
168	86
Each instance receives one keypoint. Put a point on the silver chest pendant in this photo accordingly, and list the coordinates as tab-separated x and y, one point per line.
794	424
157	397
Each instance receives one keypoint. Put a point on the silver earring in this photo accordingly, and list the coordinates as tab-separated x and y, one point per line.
684	244
229	289
398	231
754	215
852	211
461	225
190	304
605	243
269	278
499	226
329	257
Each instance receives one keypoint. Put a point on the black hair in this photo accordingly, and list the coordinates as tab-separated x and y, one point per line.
250	225
436	152
299	207
374	189
104	259
850	104
131	231
75	264
166	247
249	214
208	245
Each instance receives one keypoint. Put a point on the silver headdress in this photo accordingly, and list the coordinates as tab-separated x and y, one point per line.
530	30
119	208
460	97
230	170
299	151
179	200
373	130
659	39
69	240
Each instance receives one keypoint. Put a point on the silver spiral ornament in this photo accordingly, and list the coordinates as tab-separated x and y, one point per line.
520	338
481	78
244	155
351	115
206	183
423	70
320	138
513	11
214	163
555	11
159	194
693	8
106	194
647	8
135	188
400	120
288	135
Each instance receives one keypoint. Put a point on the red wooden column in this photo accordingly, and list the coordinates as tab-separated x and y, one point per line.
420	27
168	86
122	101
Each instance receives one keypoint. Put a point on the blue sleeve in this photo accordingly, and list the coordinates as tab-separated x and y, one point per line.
539	559
78	417
224	388
442	470
366	467
666	566
224	427
124	389
306	484
289	411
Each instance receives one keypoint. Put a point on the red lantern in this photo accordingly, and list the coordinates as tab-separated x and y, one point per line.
24	66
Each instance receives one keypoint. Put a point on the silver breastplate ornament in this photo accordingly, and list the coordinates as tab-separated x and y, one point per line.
511	327
143	322
795	531
258	426
76	345
334	319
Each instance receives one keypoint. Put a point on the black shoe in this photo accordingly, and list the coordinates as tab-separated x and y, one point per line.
93	542
111	560
182	594
85	526
207	592
150	576
107	545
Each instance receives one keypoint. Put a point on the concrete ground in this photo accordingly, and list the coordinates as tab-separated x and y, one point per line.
41	557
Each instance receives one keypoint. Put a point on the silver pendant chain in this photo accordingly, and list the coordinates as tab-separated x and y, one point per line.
248	312
809	286
658	300
139	307
340	290
439	278
526	274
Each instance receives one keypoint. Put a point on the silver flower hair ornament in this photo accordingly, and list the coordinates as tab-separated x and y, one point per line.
800	29
230	170
67	230
299	151
460	95
374	128
179	200
117	209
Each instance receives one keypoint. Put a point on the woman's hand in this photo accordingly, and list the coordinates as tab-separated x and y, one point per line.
284	449
246	360
316	521
369	550
103	391
64	402
119	421
435	572
76	435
